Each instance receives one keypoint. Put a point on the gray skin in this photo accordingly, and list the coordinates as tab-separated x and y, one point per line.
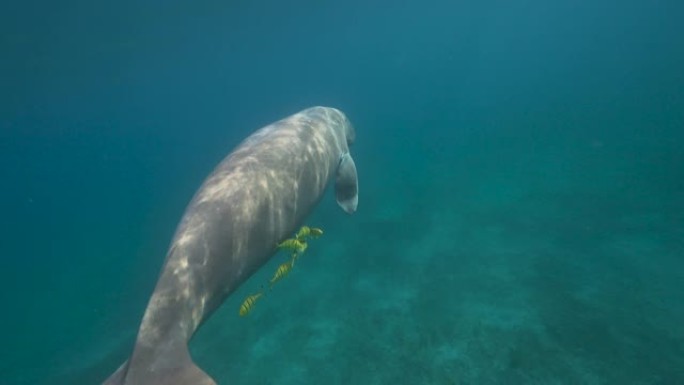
256	197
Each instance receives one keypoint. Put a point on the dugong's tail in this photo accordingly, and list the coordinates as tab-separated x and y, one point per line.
118	377
177	369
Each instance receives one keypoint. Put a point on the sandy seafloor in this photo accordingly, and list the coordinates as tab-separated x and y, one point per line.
507	273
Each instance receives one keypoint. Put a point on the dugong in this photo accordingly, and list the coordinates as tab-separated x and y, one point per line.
255	198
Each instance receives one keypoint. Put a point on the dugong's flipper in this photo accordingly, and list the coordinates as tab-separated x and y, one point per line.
347	184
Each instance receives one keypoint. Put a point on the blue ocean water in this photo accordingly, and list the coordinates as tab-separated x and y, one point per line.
521	211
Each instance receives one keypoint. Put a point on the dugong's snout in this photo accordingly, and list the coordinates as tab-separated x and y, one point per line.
339	122
349	132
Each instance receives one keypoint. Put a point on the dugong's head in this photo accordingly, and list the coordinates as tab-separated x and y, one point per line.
348	129
346	180
338	122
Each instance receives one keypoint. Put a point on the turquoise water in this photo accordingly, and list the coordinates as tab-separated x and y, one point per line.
521	213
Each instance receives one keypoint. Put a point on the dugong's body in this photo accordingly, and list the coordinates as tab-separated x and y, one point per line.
255	198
